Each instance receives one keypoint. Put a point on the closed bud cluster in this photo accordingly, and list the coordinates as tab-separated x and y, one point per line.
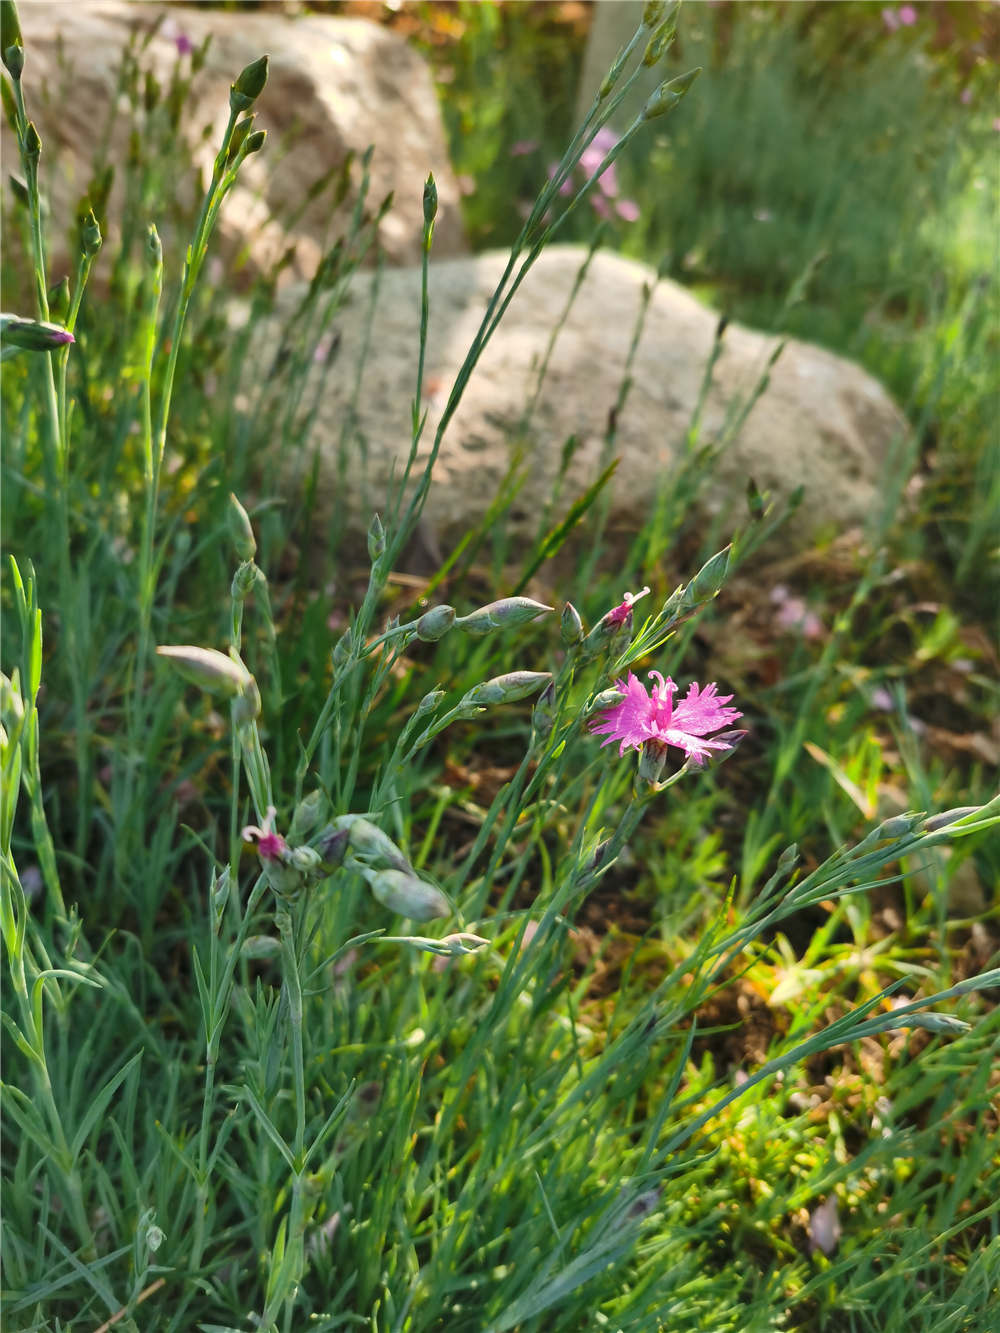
247	574
405	893
435	623
249	86
504	614
240	529
669	95
506	689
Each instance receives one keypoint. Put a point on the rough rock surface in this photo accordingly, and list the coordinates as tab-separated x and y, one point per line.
822	421
335	84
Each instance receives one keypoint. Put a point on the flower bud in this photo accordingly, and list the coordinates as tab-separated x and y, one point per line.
367	841
435	623
259	947
506	689
91	239
249	86
606	699
208	669
664	32
32	335
947	817
652	757
376	539
247	705
11	45
219	896
58	299
668	95
239	135
342	649
32	143
451	946
504	614
428	703
306	816
245	577
543	715
254	143
571	628
652	12
240	529
708	581
430	200
406	894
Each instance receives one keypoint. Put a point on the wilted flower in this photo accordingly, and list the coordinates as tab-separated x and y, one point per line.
270	845
622	612
646	715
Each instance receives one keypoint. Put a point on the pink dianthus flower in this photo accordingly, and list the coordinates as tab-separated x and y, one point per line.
270	845
645	715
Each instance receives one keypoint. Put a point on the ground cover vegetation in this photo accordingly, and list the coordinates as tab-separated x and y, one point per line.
349	980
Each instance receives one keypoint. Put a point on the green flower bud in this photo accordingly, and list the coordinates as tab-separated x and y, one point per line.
367	841
11	44
571	629
669	94
430	200
406	894
58	299
506	689
32	143
247	574
543	715
306	817
246	706
664	31
504	614
942	820
254	143
451	946
342	649
606	699
376	539
435	623
240	529
707	583
428	703
243	128
249	86
90	234
220	675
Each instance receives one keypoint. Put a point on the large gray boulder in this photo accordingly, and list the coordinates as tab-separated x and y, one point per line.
822	422
335	84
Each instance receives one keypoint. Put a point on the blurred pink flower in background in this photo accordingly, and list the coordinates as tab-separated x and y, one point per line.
890	19
907	16
607	182
522	147
792	613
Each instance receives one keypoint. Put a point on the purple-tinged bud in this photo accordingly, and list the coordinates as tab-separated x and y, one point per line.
435	623
31	335
947	817
669	95
571	627
506	689
332	846
504	614
249	86
240	529
404	893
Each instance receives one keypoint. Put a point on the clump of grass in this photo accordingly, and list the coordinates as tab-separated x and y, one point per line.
301	1022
